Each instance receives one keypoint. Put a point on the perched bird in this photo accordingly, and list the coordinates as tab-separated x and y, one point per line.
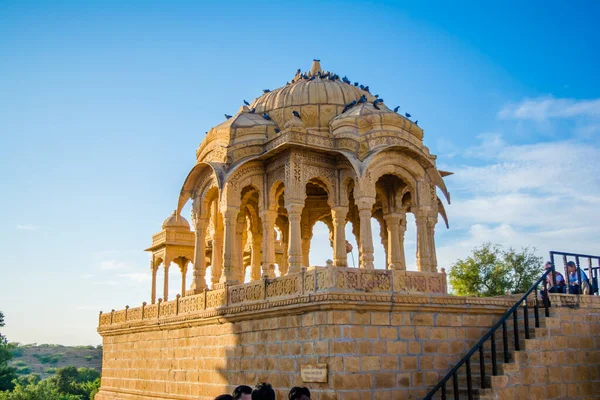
417	122
376	96
396	109
407	115
363	99
266	116
356	84
312	78
246	103
298	72
252	110
331	78
227	116
277	130
266	90
366	89
361	87
314	59
351	104
377	101
336	76
346	80
345	109
296	114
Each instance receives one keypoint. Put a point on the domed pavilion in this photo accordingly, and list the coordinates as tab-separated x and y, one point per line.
317	149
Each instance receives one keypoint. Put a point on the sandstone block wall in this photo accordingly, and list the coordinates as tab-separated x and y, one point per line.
377	350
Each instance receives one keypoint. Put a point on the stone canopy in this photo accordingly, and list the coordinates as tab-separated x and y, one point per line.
317	149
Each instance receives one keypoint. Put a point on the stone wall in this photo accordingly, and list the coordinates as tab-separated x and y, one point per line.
375	346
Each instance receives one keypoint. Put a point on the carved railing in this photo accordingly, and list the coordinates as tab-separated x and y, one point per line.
308	281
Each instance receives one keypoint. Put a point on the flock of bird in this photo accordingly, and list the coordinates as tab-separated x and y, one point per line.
332	77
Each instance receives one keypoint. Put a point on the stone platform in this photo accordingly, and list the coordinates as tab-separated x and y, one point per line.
381	334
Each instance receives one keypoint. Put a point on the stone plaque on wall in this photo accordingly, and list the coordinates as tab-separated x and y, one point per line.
314	373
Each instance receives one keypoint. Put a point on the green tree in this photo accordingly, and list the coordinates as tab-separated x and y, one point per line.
7	373
493	271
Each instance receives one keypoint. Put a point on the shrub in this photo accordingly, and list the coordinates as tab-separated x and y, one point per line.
23	370
50	370
88	358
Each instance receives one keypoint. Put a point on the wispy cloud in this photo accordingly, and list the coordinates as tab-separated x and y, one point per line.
28	227
108	265
138	277
544	108
544	195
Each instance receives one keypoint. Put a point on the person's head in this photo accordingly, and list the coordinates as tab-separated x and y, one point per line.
299	393
263	391
242	392
571	266
548	265
224	397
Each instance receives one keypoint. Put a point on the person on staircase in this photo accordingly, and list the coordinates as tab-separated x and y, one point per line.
576	277
550	287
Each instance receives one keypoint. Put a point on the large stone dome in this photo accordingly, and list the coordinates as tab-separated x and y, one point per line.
317	95
317	109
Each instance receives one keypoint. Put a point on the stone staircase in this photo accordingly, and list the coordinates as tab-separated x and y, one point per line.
560	360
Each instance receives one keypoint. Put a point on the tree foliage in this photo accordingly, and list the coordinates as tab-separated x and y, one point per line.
494	271
69	383
7	373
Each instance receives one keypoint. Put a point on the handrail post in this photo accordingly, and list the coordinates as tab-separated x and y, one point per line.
516	329
494	363
578	272
482	365
505	342
469	381
455	385
526	318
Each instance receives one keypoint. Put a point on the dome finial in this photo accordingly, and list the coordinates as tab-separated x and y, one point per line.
316	67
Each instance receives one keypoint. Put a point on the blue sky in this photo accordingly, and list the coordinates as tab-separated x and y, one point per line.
102	105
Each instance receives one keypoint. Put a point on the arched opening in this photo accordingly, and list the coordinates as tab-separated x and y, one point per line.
392	202
316	209
321	245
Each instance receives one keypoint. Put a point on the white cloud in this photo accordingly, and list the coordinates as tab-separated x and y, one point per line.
544	195
28	227
544	108
138	277
113	265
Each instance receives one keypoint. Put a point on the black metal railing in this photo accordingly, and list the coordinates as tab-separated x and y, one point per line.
591	272
491	336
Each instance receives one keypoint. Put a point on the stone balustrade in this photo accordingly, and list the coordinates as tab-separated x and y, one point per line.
305	283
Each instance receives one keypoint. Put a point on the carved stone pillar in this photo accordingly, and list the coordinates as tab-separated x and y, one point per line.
153	270
431	222
183	268
217	246
392	222
295	249
269	260
340	257
166	280
256	256
240	243
401	232
365	206
284	266
229	260
199	283
423	242
305	251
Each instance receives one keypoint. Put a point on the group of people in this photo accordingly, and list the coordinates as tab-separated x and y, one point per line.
264	391
576	277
